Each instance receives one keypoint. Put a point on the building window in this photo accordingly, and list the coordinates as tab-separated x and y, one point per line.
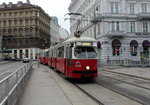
21	22
15	14
10	31
5	15
21	31
4	22
15	22
27	22
10	22
116	44
10	15
132	8
144	7
132	26
26	31
21	14
133	50
116	51
114	7
26	14
99	28
31	13
31	31
115	26
31	21
145	26
4	31
133	47
15	31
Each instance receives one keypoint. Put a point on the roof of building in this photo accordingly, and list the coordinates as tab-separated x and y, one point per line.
20	5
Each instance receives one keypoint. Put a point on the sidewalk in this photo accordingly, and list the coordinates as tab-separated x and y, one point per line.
134	71
47	87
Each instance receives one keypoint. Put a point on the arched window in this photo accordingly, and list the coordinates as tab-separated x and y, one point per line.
116	44
98	44
133	47
146	47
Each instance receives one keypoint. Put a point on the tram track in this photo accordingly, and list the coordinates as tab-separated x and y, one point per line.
89	95
125	88
139	82
104	96
126	74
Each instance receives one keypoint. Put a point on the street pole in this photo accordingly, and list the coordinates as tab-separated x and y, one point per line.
94	23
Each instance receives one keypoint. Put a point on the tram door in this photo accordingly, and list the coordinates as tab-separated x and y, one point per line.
68	59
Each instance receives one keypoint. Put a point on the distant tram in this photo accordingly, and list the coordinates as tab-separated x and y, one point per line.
75	58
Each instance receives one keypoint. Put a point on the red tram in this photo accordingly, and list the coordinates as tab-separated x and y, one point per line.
75	58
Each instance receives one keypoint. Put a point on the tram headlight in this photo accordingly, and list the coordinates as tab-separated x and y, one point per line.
87	67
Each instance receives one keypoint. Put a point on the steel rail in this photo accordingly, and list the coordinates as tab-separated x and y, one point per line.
93	98
134	84
126	74
125	95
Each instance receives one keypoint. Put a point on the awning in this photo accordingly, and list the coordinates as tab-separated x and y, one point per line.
116	43
134	43
146	43
99	44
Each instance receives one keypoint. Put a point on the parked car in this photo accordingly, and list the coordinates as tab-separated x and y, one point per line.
15	59
26	60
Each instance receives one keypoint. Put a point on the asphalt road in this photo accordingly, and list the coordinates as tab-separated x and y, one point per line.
8	68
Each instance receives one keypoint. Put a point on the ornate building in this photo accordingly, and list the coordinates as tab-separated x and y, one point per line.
121	27
25	29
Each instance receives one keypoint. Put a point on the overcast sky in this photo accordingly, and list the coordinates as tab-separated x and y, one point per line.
56	8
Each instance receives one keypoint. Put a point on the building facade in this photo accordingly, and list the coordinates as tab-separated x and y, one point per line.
121	27
54	30
64	34
25	29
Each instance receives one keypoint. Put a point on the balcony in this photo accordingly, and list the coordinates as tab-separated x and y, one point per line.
120	33
144	16
96	18
114	15
142	33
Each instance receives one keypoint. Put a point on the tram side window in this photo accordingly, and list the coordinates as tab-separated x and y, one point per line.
47	53
68	52
60	52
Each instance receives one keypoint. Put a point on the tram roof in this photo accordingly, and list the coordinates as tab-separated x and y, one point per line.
74	39
81	39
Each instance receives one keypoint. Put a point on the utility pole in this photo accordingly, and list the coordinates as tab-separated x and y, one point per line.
94	23
1	51
95	20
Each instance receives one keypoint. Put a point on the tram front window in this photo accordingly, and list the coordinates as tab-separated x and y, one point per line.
85	52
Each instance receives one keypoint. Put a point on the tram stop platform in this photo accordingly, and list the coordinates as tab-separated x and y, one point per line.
46	87
141	72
